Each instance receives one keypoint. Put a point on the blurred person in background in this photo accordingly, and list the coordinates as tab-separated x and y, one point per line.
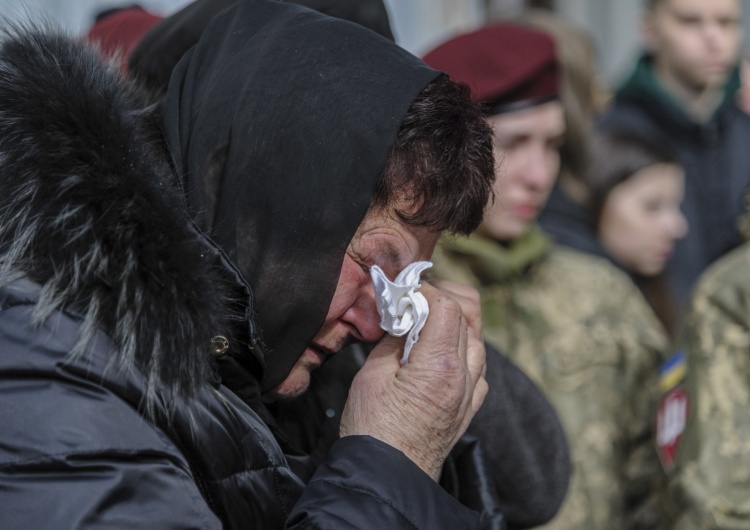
683	91
635	188
573	212
575	323
703	419
583	97
117	31
564	216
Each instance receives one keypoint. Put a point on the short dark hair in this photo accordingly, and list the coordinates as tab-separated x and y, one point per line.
617	155
442	163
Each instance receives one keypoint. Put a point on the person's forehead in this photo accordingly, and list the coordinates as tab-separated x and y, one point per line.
702	7
391	242
547	117
654	180
659	176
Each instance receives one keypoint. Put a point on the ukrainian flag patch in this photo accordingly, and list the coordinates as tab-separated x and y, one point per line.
672	372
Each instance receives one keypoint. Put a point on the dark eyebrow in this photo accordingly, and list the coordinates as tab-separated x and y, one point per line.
390	253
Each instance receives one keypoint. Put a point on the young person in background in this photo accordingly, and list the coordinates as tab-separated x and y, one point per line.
575	323
635	187
682	92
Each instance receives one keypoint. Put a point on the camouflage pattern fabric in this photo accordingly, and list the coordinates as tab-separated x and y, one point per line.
582	331
710	485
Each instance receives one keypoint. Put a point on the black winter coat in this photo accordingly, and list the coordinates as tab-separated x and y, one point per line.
112	412
76	451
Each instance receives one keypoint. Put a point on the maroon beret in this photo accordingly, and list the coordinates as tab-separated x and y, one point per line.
117	33
507	66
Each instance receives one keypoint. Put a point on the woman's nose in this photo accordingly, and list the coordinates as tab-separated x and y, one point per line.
363	315
679	225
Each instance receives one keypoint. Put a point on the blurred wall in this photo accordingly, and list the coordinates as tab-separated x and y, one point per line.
419	25
77	15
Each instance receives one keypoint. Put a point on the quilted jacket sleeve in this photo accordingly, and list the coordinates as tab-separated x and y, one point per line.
366	484
73	455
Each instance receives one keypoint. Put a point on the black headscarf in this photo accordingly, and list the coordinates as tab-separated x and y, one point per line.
154	57
280	121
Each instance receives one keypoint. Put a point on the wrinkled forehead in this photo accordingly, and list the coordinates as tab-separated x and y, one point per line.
390	242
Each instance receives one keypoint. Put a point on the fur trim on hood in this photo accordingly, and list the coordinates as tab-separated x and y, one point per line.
90	210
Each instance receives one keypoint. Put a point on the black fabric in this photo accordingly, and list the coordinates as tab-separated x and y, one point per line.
310	423
155	56
522	453
371	14
277	108
569	223
716	159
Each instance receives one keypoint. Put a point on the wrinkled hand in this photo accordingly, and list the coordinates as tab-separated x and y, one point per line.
423	407
469	300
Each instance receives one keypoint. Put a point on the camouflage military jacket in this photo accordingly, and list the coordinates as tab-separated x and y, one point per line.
710	484
582	331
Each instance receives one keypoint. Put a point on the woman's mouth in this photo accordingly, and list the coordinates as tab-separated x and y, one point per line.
526	211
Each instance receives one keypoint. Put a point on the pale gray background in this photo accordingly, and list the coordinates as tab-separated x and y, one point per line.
420	24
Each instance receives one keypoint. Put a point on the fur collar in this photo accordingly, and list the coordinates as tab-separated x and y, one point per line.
89	210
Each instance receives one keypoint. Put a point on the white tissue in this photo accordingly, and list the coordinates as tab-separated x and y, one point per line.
402	308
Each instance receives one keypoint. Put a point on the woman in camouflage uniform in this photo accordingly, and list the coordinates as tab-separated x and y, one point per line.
703	418
575	323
